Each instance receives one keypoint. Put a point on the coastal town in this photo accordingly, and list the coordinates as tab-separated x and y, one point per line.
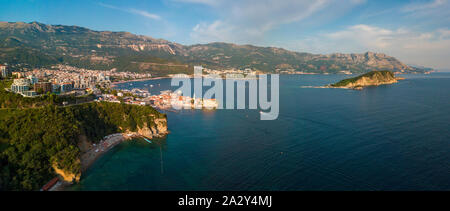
63	80
72	81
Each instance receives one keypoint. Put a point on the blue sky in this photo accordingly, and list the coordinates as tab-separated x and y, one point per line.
415	31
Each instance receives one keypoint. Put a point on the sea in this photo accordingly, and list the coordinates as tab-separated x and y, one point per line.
390	137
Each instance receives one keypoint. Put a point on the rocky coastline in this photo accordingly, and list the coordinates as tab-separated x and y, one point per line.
91	152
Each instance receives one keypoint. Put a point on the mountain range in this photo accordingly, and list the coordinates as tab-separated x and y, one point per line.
38	45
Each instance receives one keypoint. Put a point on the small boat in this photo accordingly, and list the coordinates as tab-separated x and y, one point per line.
147	140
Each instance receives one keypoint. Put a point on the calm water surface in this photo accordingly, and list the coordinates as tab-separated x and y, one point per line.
394	137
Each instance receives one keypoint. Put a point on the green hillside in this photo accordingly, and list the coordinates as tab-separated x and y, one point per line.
39	134
37	45
376	77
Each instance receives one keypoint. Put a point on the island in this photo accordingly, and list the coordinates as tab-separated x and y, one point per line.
373	78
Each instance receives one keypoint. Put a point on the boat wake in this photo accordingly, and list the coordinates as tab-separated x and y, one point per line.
323	87
315	87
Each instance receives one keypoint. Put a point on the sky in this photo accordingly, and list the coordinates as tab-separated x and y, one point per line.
415	31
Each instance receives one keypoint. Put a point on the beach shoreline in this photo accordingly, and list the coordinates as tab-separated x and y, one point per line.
114	84
138	80
93	152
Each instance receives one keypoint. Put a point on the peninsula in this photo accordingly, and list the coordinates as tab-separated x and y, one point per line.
41	139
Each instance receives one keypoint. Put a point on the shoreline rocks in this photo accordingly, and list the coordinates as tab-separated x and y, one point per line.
91	152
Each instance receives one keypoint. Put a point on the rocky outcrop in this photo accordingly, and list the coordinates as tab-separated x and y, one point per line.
161	126
66	176
159	129
374	78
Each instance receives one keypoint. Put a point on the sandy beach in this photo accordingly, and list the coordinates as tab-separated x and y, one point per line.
95	151
91	152
114	84
137	80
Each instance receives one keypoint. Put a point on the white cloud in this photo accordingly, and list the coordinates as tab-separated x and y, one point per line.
133	11
247	21
216	31
144	13
207	2
423	48
370	36
432	13
413	7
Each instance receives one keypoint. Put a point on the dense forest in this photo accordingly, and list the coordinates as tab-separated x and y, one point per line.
32	139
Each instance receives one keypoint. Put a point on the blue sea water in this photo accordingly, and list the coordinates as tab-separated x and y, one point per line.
392	137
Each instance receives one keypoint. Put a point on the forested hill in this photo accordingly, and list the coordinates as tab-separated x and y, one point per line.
33	139
374	78
38	44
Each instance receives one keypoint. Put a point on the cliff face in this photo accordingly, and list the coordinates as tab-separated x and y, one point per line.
161	126
36	143
374	78
157	130
67	176
372	60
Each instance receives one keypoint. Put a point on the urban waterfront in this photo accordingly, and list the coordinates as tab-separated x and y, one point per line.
392	137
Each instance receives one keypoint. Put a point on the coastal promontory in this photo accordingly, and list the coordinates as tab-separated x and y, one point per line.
40	140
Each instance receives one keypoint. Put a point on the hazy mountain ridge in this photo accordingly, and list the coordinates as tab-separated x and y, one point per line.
40	44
